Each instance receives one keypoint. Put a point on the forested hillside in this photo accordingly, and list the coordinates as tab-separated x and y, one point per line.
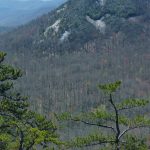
68	53
76	23
66	67
24	129
69	81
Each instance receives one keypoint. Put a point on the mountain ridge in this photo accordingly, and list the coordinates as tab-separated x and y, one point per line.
14	13
65	54
77	24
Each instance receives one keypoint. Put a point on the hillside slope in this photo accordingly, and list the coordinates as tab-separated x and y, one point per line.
77	22
67	52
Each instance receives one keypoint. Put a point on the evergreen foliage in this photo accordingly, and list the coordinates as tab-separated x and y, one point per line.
114	120
21	128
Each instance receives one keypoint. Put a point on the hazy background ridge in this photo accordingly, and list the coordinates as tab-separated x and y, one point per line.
17	12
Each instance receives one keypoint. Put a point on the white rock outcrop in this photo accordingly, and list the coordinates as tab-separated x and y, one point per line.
99	24
65	36
55	27
102	2
62	9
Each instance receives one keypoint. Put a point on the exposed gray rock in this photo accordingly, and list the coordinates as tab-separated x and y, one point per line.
65	36
99	24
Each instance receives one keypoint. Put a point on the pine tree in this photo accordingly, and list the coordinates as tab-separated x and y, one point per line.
20	128
112	118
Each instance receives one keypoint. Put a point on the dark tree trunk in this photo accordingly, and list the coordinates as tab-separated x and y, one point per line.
21	140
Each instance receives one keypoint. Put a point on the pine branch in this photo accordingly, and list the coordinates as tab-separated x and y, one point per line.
126	108
94	124
132	103
132	128
7	115
98	143
4	126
